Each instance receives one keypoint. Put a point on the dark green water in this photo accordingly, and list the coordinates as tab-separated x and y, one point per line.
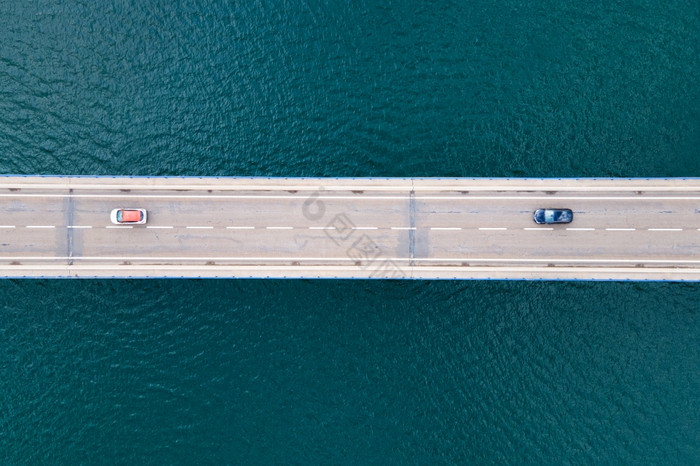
333	372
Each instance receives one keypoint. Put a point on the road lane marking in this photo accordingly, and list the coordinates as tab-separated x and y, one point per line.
333	228
348	259
287	271
549	198
403	183
339	271
290	197
404	197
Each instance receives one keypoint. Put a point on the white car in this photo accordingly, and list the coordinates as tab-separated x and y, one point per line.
128	216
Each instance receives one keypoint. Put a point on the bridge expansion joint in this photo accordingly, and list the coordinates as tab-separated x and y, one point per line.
69	231
412	225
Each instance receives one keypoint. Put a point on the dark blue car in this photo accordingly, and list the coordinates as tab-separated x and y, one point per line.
547	216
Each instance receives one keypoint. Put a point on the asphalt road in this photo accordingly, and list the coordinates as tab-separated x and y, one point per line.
638	229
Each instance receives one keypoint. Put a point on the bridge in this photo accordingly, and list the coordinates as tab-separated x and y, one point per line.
400	228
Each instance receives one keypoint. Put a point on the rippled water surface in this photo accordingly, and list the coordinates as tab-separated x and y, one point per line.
261	372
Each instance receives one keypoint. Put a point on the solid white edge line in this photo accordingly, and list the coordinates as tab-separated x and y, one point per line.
291	271
401	183
363	197
347	259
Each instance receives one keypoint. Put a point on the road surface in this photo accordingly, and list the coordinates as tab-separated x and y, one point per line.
430	228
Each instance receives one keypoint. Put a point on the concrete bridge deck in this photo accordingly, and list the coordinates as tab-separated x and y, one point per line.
623	229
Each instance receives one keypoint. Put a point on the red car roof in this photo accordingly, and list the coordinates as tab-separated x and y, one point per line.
131	216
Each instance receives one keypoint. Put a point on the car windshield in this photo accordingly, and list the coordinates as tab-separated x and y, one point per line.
119	216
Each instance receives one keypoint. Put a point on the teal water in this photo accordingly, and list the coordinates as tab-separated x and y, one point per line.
261	372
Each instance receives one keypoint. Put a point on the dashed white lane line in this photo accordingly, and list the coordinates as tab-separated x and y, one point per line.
240	228
365	228
446	228
581	229
199	228
492	229
538	229
119	226
7	226
620	229
279	228
158	227
79	226
41	226
403	228
321	228
665	229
